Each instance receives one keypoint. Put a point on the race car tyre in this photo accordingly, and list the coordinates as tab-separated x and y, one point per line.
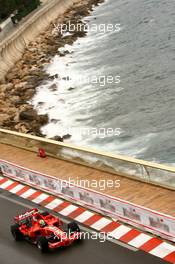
16	233
45	213
42	244
73	227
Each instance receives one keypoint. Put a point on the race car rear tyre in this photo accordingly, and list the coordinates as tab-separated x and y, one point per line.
45	213
16	233
42	244
73	227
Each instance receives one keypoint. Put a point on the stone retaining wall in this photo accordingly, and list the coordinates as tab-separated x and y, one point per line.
5	27
12	48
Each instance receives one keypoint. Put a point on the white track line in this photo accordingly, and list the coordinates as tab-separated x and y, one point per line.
6	184
54	203
69	209
120	231
17	188
139	240
28	193
162	250
40	198
101	223
84	216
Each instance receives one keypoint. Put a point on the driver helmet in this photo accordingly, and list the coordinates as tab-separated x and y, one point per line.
42	223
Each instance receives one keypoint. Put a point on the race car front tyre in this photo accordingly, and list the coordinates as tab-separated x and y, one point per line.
73	227
42	244
16	233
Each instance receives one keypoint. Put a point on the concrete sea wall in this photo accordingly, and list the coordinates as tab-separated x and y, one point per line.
157	174
12	48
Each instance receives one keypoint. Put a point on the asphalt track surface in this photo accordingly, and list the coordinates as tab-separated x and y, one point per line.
86	252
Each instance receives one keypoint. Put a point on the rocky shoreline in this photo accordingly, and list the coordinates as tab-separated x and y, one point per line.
22	80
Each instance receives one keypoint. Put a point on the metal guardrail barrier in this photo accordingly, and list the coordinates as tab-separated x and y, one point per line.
141	170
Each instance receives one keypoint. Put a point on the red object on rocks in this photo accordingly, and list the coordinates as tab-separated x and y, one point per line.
41	153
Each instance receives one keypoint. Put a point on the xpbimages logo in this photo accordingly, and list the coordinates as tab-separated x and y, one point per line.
82	27
102	80
101	184
101	236
96	132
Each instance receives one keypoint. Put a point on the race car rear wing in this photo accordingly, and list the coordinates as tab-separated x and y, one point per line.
25	215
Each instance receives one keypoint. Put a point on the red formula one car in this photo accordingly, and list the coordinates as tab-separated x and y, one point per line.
44	229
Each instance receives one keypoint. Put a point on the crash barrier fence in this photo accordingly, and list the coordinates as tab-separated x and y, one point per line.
159	175
146	219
